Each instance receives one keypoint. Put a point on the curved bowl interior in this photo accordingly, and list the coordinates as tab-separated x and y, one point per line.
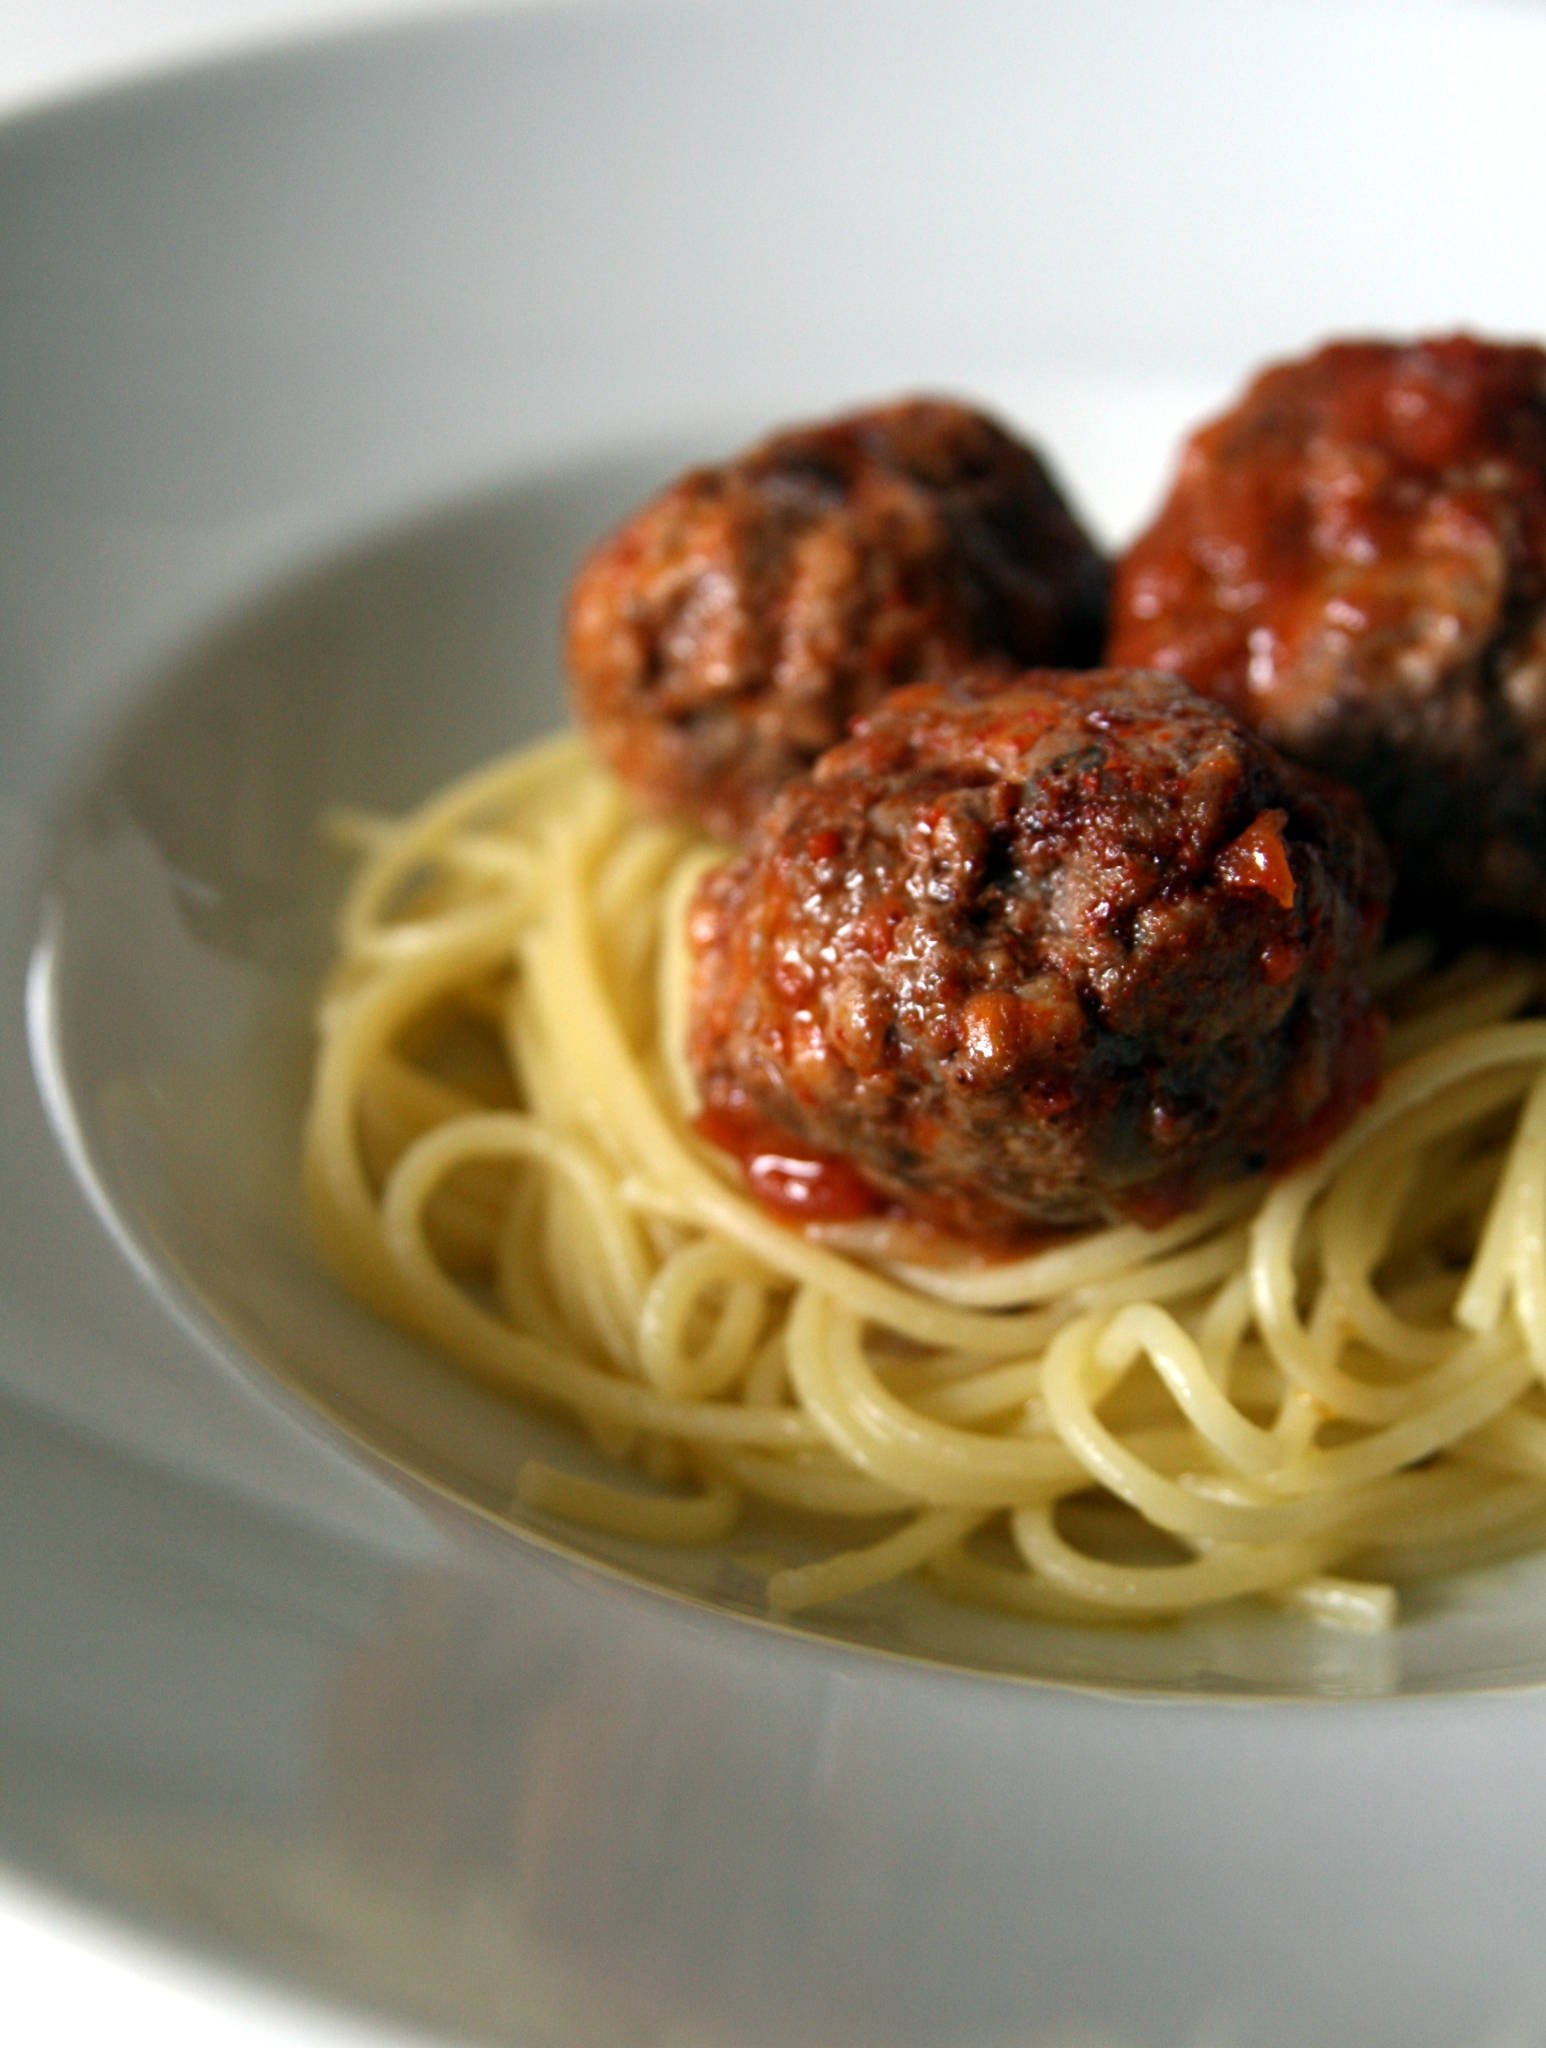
185	942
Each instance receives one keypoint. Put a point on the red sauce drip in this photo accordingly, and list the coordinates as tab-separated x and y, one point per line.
790	1179
1258	859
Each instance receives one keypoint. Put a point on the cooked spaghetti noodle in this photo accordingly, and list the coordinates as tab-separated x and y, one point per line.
1311	1390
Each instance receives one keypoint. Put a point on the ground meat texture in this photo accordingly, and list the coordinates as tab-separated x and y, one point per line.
731	630
1065	949
1354	557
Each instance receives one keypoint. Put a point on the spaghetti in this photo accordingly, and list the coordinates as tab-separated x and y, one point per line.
1312	1390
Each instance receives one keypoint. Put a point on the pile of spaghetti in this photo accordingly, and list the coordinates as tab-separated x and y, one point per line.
1312	1389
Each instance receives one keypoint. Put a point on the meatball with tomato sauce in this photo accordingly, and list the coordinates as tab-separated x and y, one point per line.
729	632
1354	558
1041	950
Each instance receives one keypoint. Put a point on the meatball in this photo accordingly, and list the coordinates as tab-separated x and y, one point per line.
1042	950
1355	559
729	632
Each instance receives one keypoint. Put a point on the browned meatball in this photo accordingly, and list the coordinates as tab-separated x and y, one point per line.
1355	559
728	633
1074	949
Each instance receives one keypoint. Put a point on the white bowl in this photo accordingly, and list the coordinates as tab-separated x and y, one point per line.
319	371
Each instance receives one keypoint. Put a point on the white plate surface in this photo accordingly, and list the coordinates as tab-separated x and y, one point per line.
319	369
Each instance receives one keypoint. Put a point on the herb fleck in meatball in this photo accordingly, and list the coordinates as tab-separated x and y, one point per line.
729	632
1354	557
1042	950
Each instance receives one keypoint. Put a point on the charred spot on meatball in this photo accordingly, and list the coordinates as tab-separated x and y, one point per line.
732	629
1043	950
1354	557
